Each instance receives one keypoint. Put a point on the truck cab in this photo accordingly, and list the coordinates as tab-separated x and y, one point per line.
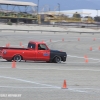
41	51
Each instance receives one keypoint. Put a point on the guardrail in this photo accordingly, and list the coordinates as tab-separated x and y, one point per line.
16	30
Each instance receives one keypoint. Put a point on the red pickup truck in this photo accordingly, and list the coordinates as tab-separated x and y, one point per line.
36	51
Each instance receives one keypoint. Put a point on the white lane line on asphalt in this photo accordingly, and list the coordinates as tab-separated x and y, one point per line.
83	90
5	67
56	69
82	57
60	69
52	69
83	62
47	86
29	87
87	89
26	81
76	90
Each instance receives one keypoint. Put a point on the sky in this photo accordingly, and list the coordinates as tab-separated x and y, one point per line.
66	4
54	5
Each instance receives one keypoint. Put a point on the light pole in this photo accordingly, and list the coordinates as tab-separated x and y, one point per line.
38	7
59	8
38	17
97	12
59	11
97	18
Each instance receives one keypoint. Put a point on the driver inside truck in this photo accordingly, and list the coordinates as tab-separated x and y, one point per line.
39	47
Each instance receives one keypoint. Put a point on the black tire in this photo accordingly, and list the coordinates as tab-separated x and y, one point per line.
57	59
17	58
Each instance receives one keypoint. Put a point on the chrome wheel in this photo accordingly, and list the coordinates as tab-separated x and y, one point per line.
17	58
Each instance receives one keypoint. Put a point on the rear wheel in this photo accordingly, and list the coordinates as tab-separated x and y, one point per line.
57	59
17	58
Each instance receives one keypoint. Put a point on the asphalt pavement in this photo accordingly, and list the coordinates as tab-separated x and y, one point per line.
44	81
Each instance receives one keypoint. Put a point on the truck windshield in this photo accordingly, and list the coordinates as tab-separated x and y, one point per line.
31	45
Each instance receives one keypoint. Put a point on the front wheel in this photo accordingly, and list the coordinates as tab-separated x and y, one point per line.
57	59
17	58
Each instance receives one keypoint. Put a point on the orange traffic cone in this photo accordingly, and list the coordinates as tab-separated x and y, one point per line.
20	44
85	56
99	48
64	85
8	44
13	64
78	39
86	60
90	48
50	40
43	41
94	39
62	39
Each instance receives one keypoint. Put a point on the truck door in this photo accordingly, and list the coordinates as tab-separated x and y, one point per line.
43	53
31	53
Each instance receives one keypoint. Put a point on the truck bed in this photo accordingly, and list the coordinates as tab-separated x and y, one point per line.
1	48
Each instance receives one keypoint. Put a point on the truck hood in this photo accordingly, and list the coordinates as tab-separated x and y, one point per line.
54	53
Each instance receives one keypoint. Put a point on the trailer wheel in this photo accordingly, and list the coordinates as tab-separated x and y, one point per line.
57	59
17	58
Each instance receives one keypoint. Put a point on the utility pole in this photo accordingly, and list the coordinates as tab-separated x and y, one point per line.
97	18
97	12
59	8
59	11
38	16
38	7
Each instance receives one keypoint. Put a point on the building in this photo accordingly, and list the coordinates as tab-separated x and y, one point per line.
83	12
22	14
